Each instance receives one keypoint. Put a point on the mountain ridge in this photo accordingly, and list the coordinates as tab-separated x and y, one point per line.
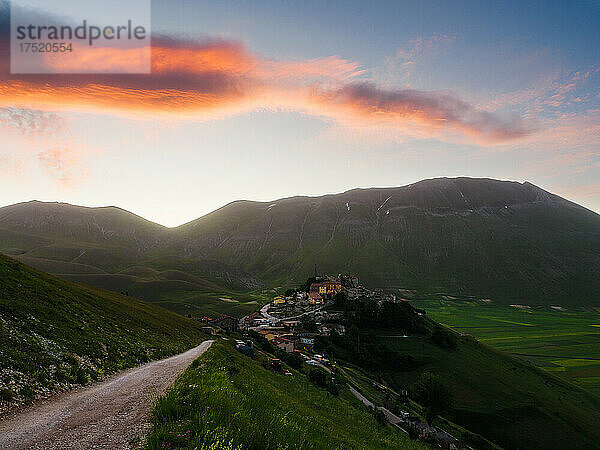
480	237
542	192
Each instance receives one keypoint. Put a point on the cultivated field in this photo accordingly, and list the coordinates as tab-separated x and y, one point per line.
563	341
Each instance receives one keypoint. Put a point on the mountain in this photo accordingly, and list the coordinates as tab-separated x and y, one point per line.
55	334
506	240
509	241
108	247
104	239
93	225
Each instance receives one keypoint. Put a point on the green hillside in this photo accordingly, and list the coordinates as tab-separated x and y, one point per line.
55	334
225	400
509	402
562	341
508	241
504	399
109	248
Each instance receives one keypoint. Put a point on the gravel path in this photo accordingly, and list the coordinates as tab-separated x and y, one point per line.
113	414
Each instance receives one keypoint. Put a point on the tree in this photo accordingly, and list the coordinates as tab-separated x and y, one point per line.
341	301
306	286
444	338
433	395
354	336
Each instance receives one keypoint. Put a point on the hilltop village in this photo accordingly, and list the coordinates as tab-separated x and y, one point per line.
292	320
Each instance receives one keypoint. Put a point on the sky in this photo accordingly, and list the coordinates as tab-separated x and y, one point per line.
267	99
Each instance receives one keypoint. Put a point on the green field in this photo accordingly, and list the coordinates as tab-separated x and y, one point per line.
215	304
565	342
228	401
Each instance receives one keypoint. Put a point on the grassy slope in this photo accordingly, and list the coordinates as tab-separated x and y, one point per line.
181	291
508	401
101	246
227	400
504	399
361	380
54	333
564	342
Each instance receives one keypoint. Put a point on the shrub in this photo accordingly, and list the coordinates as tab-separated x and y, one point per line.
42	376
318	377
379	416
444	338
79	375
27	393
61	375
6	395
333	388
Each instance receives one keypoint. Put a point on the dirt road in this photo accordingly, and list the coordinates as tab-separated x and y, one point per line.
112	414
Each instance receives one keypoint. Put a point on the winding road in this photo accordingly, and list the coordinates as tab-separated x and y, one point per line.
274	319
113	414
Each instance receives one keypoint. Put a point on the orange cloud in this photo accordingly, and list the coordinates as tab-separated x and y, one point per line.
217	79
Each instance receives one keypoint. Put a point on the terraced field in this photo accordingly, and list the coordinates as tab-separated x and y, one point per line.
563	341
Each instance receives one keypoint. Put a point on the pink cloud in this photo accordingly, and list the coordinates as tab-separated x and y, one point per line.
215	79
553	90
434	110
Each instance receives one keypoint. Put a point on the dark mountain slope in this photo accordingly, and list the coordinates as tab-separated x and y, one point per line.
507	240
109	225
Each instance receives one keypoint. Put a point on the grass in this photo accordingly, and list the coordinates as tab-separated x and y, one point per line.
225	400
177	290
502	398
209	303
565	342
364	383
55	334
510	402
